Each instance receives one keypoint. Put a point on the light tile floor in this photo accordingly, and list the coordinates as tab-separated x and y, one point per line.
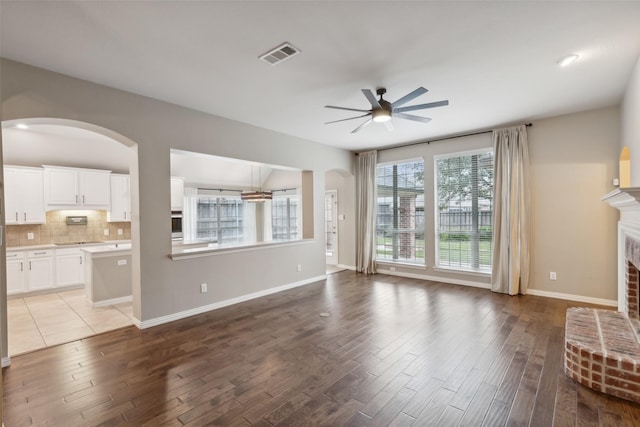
46	320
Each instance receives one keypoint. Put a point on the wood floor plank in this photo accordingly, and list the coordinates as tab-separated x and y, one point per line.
395	351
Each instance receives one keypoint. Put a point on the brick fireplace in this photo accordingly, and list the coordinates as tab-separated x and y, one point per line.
602	347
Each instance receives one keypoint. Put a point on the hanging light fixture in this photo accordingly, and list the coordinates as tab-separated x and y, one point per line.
256	196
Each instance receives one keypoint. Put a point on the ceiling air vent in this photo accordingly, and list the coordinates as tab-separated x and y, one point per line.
279	54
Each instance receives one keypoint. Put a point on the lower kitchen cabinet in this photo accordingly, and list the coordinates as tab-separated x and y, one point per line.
69	267
16	276
29	271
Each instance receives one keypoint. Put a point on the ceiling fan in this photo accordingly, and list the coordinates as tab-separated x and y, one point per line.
381	110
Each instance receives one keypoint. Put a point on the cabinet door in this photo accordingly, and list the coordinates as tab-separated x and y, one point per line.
15	276
32	188
12	196
61	187
120	199
69	270
95	189
40	271
177	194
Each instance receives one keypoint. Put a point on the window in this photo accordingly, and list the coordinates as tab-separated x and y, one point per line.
400	203
224	220
285	217
464	211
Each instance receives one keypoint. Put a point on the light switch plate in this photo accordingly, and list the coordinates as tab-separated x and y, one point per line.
122	262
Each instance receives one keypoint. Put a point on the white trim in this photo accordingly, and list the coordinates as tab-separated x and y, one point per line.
220	304
347	267
112	301
571	297
391	263
486	274
437	279
6	361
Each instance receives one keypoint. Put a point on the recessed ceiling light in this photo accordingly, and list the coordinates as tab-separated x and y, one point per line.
22	126
567	60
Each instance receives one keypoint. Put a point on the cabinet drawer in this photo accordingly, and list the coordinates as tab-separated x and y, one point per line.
15	255
70	251
40	253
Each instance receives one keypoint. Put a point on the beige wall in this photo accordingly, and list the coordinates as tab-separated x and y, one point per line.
162	287
631	123
573	161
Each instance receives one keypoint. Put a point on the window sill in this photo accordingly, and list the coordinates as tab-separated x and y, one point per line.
476	273
214	249
401	264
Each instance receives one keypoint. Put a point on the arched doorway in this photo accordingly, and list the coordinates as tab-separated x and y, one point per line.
32	143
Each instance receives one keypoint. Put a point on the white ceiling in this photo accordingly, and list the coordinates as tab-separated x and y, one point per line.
494	61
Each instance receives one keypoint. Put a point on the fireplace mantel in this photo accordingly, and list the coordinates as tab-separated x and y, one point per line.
624	199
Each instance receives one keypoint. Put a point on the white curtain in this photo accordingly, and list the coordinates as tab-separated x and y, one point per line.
267	231
366	212
190	214
510	270
248	222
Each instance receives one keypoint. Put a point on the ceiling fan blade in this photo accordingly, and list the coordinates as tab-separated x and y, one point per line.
348	109
371	98
361	126
389	125
409	97
412	117
422	106
350	118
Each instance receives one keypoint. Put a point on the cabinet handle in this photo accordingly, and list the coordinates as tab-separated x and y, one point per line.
21	266
76	198
125	215
83	198
16	216
25	217
39	253
81	260
29	265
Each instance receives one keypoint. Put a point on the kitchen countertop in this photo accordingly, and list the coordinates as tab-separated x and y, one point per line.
68	246
108	248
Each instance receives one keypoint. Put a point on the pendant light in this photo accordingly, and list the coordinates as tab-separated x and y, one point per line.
256	196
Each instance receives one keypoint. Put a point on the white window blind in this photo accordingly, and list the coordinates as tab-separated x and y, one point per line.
464	210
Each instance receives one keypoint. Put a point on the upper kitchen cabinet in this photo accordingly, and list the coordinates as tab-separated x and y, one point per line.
120	199
74	188
177	193
24	195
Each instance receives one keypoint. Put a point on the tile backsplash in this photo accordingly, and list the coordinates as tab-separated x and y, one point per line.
56	229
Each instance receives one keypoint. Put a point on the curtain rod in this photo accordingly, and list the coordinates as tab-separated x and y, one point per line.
441	139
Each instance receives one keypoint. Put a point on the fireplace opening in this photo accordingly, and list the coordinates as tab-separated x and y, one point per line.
631	291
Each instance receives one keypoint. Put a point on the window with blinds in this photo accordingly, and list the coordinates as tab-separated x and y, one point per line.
464	211
400	209
285	217
221	219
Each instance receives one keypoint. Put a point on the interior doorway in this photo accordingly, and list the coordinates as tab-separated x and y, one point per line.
331	226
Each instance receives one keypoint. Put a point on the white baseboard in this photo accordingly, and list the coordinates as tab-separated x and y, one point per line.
6	361
571	297
205	308
347	267
436	279
112	301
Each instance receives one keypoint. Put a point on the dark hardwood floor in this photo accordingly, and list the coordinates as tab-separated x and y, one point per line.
394	351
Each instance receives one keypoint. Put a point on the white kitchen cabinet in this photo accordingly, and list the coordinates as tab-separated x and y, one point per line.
16	276
24	195
177	193
69	267
74	188
120	210
40	270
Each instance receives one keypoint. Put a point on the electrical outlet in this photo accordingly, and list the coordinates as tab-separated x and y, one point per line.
106	231
203	288
122	262
120	231
29	236
552	275
299	267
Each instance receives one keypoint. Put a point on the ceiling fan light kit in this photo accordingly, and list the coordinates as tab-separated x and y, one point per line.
382	110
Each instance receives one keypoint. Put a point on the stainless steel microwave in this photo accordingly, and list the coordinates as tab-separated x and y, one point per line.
176	225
